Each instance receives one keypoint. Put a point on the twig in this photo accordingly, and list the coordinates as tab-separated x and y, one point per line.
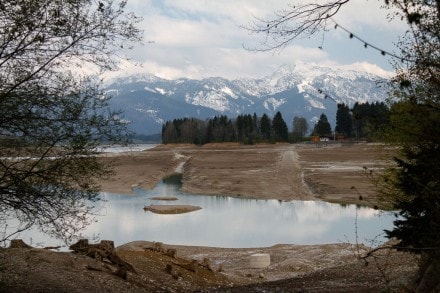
403	248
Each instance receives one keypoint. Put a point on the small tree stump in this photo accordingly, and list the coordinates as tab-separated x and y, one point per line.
101	251
80	245
109	243
18	243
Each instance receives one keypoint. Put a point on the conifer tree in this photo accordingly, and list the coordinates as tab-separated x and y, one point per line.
322	127
265	127
279	128
343	120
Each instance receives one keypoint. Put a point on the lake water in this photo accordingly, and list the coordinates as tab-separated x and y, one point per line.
231	222
124	148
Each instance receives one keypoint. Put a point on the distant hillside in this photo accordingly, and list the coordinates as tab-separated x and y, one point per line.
148	101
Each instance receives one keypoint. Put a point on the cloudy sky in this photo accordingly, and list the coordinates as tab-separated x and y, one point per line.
204	38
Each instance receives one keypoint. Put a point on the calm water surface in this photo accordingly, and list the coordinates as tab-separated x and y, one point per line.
232	222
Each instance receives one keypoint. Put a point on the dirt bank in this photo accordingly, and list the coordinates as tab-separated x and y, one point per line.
293	268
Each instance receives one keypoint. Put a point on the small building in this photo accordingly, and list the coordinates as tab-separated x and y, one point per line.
314	138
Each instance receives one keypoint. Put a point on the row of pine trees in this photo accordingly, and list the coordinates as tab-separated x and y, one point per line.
362	121
247	129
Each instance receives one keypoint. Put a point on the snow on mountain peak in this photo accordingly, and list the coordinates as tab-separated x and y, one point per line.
299	89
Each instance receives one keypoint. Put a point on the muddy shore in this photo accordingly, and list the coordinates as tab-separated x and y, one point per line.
340	173
335	173
332	172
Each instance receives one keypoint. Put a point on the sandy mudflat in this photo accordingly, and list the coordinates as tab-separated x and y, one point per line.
167	198
334	172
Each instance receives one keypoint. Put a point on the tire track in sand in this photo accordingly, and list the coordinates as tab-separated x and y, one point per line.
290	176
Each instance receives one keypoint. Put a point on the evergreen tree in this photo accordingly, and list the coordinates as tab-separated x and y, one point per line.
377	121
360	114
369	119
251	130
239	123
323	126
415	128
343	120
279	128
247	129
265	127
255	125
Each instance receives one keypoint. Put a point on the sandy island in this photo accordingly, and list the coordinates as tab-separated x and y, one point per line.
171	209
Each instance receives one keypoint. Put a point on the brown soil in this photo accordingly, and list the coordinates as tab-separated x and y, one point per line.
332	172
281	171
141	169
344	173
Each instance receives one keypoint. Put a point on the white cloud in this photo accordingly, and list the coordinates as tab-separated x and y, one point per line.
357	14
370	68
202	38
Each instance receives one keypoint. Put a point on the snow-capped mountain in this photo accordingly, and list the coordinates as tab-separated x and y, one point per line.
297	90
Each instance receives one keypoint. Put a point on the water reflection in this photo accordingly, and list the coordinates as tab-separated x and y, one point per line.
233	222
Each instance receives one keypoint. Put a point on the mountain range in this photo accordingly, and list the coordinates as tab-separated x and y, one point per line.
303	90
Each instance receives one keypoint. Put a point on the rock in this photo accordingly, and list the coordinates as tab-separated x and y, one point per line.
259	260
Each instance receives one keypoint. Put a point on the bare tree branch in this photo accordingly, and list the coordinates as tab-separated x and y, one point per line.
50	118
297	22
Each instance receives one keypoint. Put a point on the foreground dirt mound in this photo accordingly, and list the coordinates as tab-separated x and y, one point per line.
387	273
40	270
172	268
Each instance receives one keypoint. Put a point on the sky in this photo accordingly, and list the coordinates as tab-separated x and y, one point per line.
204	38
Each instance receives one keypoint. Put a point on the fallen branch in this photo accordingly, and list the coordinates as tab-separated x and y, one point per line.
52	247
402	248
89	267
370	253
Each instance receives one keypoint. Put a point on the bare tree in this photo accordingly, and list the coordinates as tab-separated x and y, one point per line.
300	21
295	22
300	126
52	117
